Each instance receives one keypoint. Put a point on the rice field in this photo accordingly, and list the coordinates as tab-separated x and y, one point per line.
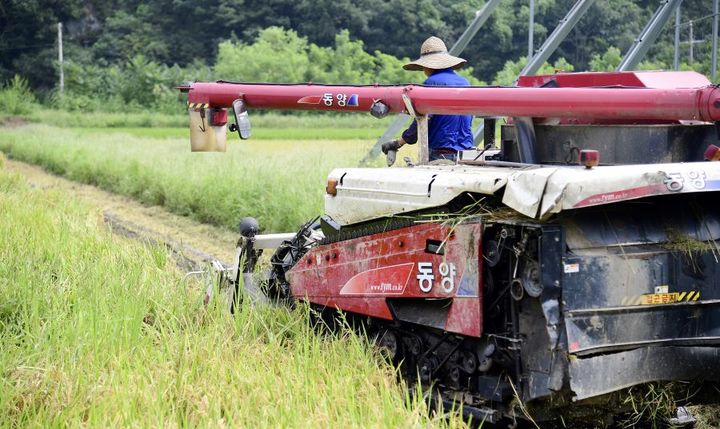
96	330
100	331
279	181
266	125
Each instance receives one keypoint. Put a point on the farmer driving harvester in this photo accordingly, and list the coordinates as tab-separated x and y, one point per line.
447	134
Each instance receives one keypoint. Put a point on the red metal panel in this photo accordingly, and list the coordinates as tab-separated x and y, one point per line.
463	316
648	79
358	275
677	79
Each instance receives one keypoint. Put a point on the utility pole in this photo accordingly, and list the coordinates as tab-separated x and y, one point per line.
60	58
714	40
676	56
531	28
692	42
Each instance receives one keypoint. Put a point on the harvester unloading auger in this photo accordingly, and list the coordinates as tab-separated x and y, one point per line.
576	261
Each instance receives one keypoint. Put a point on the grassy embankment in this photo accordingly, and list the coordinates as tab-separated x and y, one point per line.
100	331
277	180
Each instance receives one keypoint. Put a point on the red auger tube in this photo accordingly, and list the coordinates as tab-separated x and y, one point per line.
700	104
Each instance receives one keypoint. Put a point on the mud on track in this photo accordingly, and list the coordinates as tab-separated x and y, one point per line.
191	243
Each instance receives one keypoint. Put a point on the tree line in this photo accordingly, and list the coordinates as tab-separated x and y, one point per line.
132	52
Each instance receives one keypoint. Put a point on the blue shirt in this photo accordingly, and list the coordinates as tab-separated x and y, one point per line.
450	132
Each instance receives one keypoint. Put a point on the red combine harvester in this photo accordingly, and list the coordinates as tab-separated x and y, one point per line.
560	269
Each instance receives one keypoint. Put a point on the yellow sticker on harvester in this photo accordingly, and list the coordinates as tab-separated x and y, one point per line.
661	298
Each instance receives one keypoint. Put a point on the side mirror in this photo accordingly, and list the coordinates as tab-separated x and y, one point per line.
242	119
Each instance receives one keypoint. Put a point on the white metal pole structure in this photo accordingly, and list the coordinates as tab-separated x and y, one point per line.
648	35
676	56
481	16
557	36
548	47
60	58
714	40
531	29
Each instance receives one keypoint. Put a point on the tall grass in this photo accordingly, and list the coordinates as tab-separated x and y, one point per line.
282	183
258	133
16	98
261	121
66	119
99	331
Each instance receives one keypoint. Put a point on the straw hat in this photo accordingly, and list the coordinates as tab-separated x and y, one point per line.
434	55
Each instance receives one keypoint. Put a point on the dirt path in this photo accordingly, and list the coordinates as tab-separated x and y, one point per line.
191	242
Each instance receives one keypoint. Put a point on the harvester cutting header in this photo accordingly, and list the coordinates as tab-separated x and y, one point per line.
577	257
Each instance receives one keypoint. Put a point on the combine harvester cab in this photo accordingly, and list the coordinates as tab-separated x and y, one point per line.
555	275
